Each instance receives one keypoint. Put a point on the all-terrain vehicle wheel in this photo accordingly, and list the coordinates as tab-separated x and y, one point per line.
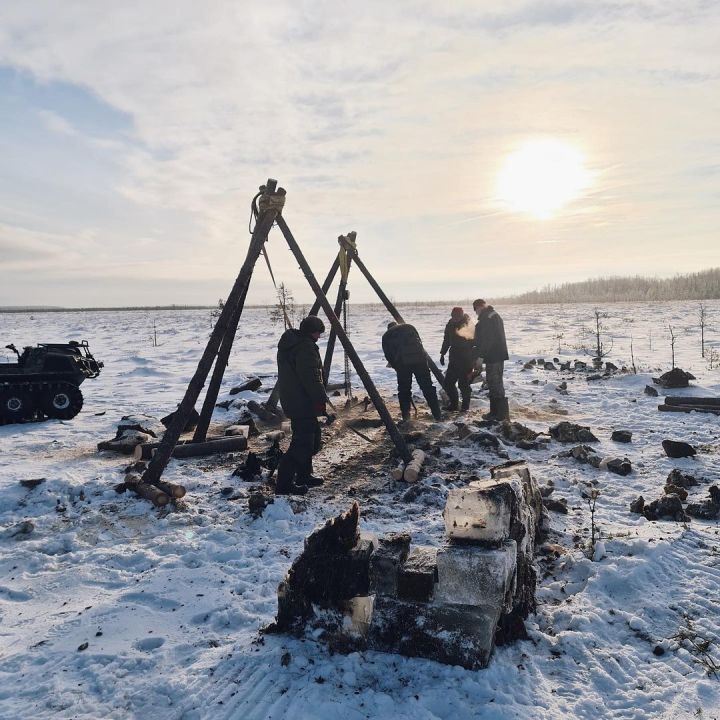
15	405
63	401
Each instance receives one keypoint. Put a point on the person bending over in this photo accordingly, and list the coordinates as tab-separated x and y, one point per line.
405	353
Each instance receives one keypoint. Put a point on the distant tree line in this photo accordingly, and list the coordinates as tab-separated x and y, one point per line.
703	285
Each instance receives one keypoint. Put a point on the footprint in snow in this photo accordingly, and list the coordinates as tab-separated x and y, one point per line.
148	644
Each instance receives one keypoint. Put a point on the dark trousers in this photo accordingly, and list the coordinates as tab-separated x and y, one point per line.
296	464
458	372
494	379
405	374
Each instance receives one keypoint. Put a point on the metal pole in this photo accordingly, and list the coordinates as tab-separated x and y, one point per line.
180	417
380	406
386	301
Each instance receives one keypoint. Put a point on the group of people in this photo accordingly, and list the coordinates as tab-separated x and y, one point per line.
304	399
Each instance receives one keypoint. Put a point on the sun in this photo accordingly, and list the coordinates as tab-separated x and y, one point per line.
542	176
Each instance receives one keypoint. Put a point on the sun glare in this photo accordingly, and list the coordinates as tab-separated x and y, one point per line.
541	177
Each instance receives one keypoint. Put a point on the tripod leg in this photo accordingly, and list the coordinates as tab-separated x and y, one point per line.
180	418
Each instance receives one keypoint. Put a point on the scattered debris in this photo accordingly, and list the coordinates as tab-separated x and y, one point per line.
584	454
650	390
621	436
190	425
19	531
559	505
708	509
681	479
681	492
678	449
32	483
638	505
253	384
259	499
567	432
619	466
675	378
666	507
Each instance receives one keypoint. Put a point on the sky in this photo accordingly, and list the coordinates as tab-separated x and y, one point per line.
133	136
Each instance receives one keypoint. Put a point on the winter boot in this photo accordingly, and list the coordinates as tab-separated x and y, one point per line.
491	416
285	484
305	476
452	395
404	407
465	401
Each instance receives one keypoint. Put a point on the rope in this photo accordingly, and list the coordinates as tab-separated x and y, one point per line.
288	324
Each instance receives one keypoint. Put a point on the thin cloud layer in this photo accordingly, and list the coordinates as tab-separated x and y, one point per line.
158	120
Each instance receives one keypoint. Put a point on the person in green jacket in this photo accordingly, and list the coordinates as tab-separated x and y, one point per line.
303	399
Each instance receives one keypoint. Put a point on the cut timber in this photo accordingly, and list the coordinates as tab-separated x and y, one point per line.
714	409
154	494
683	400
397	473
195	449
412	471
174	491
275	436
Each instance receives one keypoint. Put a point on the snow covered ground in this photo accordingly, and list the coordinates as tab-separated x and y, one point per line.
169	603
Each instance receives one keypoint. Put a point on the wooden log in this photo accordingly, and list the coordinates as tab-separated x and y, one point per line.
412	471
330	349
253	384
146	451
378	402
154	494
397	473
686	400
690	408
239	290
171	489
275	436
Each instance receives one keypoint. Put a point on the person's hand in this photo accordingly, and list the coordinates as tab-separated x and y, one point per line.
331	417
442	360
320	409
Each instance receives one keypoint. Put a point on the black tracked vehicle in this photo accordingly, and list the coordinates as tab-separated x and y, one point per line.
45	380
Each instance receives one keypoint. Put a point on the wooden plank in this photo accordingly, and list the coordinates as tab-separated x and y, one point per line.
690	408
688	400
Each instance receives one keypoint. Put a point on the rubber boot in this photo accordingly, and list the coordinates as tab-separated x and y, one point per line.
502	411
285	483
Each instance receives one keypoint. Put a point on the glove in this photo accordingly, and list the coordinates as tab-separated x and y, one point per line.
331	417
320	409
442	360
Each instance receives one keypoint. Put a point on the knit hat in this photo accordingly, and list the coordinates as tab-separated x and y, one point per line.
457	314
312	324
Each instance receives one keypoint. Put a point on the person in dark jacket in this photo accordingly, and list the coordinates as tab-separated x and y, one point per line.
303	399
490	345
458	340
405	353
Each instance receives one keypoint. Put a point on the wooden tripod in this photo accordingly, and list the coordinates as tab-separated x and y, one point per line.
271	200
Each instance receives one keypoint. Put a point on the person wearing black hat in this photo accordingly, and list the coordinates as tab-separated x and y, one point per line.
490	345
458	339
405	353
303	399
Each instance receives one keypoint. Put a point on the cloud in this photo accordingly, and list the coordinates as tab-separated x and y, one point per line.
391	121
